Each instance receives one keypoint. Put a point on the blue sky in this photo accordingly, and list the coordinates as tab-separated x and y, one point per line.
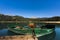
28	8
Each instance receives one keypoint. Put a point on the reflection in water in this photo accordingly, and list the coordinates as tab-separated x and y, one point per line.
3	32
10	33
6	32
48	37
57	29
53	36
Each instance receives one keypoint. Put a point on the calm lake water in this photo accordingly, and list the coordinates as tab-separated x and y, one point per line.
53	36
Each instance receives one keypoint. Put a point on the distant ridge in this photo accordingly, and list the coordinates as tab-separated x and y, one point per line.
19	18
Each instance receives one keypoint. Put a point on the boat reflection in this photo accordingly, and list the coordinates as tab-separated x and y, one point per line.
10	33
48	37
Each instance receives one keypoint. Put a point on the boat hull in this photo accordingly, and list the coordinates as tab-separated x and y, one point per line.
38	32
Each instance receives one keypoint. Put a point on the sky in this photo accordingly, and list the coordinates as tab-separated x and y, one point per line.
29	8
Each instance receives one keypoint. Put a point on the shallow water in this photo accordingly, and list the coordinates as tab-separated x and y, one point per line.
53	36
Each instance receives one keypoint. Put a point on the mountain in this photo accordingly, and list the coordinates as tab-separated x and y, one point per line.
21	18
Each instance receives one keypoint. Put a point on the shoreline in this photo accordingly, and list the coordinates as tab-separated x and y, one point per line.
25	37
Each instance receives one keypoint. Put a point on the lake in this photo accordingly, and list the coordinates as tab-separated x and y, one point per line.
53	36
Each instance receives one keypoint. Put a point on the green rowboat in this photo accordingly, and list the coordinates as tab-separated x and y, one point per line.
38	31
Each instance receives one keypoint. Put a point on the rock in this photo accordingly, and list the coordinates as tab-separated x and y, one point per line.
22	37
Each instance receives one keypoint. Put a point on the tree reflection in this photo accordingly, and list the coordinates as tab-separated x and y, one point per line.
48	37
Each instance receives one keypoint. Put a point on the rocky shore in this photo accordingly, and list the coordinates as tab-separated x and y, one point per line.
18	37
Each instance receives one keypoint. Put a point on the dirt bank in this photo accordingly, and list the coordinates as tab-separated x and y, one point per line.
22	37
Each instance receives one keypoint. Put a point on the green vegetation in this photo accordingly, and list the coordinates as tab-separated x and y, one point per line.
3	25
20	18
